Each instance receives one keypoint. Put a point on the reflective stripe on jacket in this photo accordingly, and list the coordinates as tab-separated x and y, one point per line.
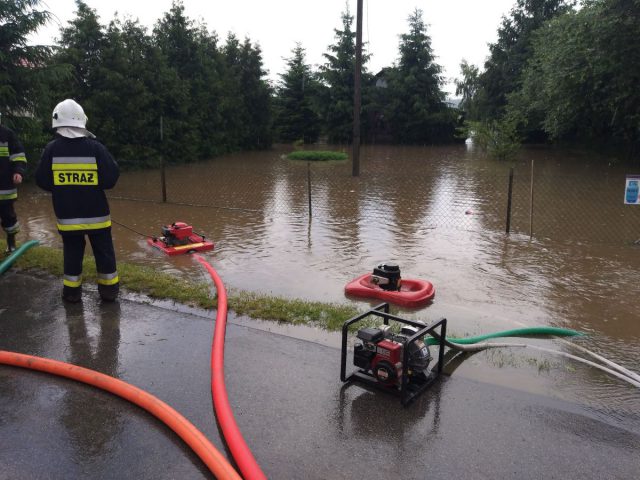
77	171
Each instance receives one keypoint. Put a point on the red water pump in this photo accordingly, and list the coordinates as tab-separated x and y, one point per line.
178	233
179	238
381	352
393	359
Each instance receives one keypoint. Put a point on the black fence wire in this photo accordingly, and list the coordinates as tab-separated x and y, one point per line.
564	208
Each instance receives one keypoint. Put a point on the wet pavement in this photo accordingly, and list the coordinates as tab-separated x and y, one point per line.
294	413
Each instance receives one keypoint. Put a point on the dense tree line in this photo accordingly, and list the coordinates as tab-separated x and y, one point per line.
562	73
212	95
556	73
404	103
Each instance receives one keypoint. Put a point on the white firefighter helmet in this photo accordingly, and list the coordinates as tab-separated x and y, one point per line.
68	113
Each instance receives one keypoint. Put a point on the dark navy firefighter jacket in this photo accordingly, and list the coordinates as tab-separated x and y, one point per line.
77	171
12	161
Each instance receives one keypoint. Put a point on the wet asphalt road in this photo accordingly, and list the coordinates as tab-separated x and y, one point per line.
296	416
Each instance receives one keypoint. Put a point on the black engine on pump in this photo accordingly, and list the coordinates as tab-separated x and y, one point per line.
387	276
381	351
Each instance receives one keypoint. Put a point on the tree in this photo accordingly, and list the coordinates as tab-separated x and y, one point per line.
256	98
582	81
81	45
175	35
513	49
21	65
24	73
417	112
338	76
295	117
467	87
125	100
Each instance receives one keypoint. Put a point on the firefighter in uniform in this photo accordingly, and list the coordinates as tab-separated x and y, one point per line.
13	164
77	169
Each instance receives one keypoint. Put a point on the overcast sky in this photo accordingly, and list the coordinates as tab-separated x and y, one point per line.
458	28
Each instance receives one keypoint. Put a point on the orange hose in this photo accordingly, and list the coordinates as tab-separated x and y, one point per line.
215	461
247	463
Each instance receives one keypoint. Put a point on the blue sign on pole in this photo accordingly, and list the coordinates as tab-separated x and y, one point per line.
632	190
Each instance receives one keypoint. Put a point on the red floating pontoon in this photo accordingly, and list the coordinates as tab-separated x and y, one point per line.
179	238
412	293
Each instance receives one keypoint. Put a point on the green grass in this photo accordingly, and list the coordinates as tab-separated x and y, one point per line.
317	155
159	285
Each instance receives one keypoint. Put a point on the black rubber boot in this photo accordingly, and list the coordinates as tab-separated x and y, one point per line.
71	294
109	293
11	243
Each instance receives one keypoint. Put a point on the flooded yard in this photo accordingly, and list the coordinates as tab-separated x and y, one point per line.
438	212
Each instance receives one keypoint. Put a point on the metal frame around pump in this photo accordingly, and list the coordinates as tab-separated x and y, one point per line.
408	391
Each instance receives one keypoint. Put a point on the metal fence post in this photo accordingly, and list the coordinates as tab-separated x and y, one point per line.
309	187
531	204
509	196
163	179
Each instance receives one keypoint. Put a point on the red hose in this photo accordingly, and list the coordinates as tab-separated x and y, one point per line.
238	447
214	460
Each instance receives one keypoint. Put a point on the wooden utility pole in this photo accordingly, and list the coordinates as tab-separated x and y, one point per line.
356	93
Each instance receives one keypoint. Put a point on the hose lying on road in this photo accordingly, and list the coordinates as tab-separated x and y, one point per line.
215	461
7	262
613	365
458	344
238	447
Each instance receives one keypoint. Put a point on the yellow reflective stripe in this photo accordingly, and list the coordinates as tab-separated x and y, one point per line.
187	247
108	281
74	166
8	196
4	151
83	226
19	159
68	281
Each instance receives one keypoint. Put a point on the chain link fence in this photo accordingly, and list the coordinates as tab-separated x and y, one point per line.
581	208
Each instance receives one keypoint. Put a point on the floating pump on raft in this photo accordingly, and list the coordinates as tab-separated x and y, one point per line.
385	283
179	238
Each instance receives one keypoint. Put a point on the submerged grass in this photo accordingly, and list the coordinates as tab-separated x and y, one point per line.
317	155
159	285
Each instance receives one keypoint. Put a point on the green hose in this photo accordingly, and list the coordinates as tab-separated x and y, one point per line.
4	266
516	332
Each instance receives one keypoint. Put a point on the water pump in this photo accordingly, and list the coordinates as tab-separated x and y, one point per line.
381	352
178	238
178	233
395	360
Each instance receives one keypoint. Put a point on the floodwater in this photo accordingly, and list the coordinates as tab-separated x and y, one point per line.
438	212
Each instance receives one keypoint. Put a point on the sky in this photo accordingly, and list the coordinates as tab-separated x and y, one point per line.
459	29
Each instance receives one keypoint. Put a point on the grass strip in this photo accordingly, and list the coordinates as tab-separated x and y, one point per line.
159	285
317	155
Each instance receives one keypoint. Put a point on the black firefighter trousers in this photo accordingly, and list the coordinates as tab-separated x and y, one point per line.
102	246
8	217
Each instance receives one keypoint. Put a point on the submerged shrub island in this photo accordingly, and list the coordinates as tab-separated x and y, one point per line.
317	155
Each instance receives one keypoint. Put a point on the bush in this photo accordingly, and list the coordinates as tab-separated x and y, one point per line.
317	155
499	138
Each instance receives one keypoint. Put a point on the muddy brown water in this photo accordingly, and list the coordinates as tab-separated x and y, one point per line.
439	212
